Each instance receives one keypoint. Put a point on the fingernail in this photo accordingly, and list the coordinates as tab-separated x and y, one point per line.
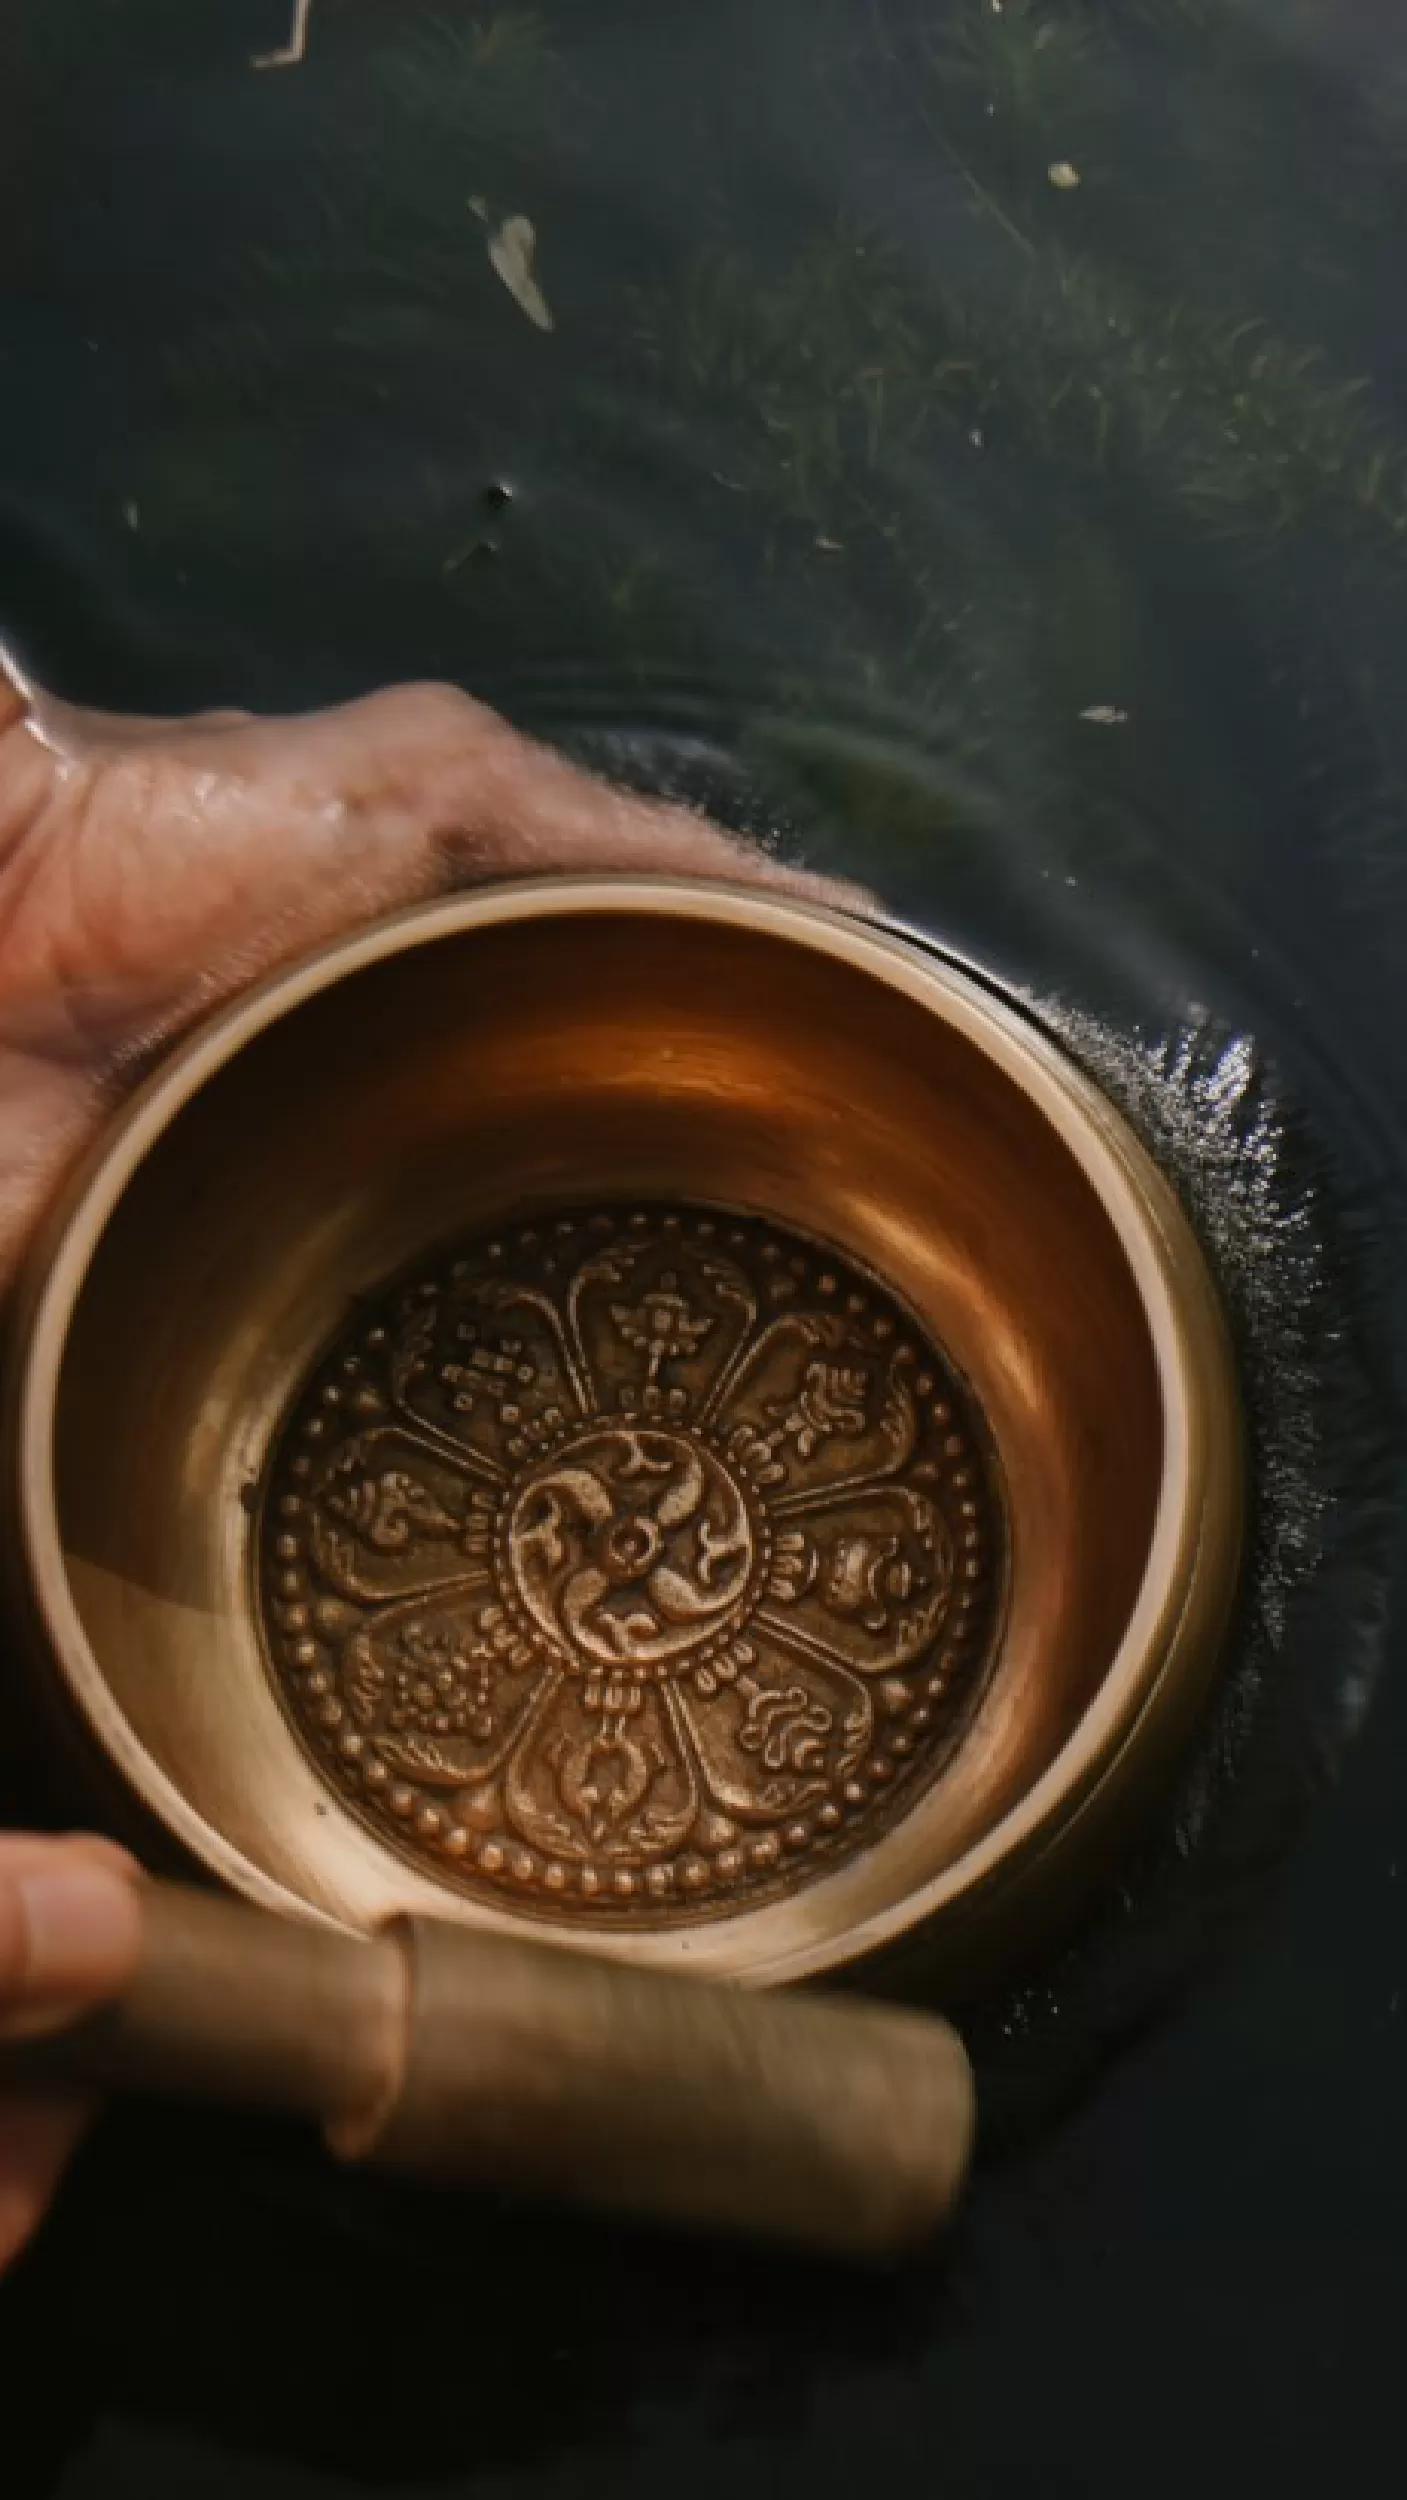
83	1928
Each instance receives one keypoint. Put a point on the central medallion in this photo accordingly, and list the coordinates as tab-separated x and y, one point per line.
632	1563
632	1547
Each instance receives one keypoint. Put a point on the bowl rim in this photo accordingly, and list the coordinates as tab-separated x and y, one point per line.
1167	1654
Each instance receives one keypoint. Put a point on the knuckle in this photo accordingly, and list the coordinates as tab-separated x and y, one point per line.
429	713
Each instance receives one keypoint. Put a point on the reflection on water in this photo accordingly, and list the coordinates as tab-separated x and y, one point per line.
966	440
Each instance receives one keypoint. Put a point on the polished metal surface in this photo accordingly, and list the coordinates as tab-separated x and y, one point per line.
542	1054
632	1563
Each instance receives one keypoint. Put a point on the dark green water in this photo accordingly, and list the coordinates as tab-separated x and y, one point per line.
969	449
982	423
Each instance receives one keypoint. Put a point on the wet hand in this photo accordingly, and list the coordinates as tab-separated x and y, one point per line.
149	869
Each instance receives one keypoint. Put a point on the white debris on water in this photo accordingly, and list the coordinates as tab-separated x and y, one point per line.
295	50
511	249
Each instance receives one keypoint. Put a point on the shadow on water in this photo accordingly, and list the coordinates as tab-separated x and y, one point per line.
967	448
398	2339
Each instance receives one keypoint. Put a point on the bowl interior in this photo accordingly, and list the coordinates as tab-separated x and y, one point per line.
513	1057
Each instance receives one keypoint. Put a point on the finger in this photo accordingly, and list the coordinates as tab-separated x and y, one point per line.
22	1852
579	827
80	734
423	788
38	2138
70	1935
493	802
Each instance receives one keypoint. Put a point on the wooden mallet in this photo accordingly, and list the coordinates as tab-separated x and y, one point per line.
477	2060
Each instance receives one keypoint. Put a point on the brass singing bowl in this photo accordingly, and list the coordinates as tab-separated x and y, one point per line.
734	1766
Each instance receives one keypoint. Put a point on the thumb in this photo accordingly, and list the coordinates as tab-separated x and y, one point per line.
70	1928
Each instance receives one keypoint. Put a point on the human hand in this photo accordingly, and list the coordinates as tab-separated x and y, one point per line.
70	1930
149	869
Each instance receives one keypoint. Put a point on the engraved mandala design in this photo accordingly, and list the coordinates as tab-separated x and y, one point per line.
632	1563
